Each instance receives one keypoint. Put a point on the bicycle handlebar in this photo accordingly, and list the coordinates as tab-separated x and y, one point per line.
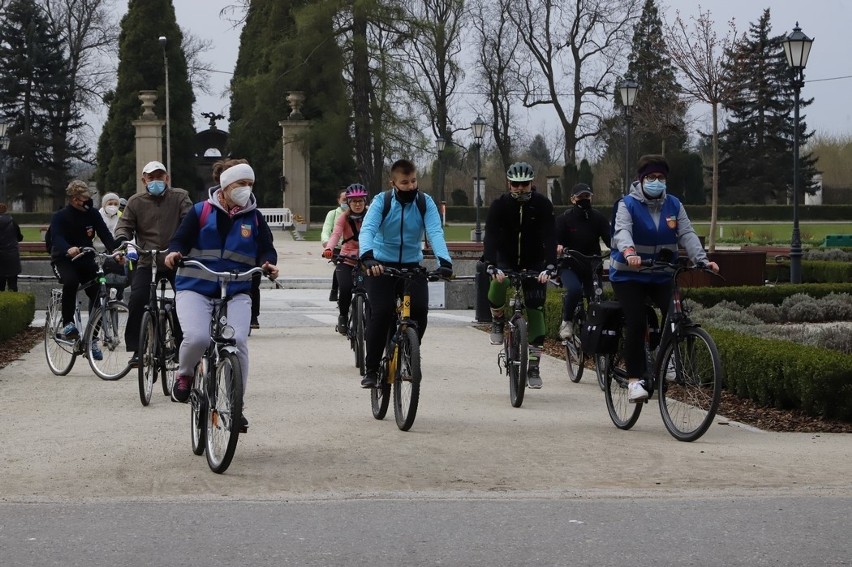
227	276
411	272
89	250
574	254
680	264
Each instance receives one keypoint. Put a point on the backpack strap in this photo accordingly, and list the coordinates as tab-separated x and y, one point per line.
206	209
421	204
355	230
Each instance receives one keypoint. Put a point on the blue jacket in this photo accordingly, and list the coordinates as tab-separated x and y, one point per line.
399	238
649	238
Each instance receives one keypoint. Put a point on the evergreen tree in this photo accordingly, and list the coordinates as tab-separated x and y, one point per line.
290	46
140	68
658	111
756	145
34	89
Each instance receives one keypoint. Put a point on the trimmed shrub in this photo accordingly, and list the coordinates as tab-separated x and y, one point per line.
17	311
766	312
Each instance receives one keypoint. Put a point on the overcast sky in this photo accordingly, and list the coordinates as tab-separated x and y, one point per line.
828	75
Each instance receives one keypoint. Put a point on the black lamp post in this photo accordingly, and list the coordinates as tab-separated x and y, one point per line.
478	127
440	144
162	40
797	47
627	88
4	146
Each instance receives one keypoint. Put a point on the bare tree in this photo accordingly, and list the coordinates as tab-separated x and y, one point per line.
198	69
497	43
698	54
574	48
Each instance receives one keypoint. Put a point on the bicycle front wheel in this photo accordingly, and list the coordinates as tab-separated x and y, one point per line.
169	353
59	352
406	386
380	395
357	328
198	409
516	344
224	413
148	366
622	413
691	377
106	328
574	356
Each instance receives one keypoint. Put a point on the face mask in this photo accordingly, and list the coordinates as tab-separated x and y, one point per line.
344	206
156	187
354	216
240	195
521	197
654	188
584	204
406	196
88	205
111	210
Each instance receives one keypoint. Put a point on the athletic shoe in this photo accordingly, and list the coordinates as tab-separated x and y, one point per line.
636	392
534	378
566	330
671	375
342	325
181	389
254	323
70	331
96	351
244	424
371	379
134	361
496	332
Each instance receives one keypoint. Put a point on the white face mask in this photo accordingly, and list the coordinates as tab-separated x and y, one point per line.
111	210
240	195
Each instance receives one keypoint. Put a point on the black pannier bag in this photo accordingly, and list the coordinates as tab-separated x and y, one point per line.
602	328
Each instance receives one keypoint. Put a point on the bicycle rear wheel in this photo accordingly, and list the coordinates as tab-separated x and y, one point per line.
148	367
59	352
406	385
357	318
600	370
516	344
380	395
690	395
169	351
107	328
225	398
622	413
198	409
574	355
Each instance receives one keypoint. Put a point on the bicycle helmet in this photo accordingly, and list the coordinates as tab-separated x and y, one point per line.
356	191
520	171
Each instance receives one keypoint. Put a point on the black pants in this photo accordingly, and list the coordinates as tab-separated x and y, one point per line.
343	275
140	291
11	281
632	297
382	292
255	297
72	274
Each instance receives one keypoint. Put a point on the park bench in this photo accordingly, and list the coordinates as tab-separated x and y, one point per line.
838	241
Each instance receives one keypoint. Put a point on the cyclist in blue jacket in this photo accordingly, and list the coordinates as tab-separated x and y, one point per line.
395	239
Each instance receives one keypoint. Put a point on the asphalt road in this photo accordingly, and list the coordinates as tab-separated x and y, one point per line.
90	477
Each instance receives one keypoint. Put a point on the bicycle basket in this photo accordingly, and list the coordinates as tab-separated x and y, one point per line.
602	328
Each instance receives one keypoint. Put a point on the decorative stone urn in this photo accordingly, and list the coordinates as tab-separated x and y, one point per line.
148	99
295	99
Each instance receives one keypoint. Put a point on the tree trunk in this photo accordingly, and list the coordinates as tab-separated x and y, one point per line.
714	194
361	100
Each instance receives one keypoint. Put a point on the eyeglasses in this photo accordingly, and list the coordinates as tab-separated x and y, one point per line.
519	183
655	177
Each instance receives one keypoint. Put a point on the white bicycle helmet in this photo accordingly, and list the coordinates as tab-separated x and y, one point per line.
520	171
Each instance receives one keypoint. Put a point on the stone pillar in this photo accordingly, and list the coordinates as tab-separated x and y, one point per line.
149	137
297	159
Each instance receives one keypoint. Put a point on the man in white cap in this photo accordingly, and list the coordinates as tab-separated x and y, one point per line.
151	217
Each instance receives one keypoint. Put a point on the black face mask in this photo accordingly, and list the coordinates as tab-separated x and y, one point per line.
405	197
584	204
88	204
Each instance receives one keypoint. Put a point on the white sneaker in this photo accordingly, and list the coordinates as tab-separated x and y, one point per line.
671	375
566	330
636	392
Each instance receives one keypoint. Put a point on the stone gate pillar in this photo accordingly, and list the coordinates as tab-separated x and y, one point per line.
297	159
149	137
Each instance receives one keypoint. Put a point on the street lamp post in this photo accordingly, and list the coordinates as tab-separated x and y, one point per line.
162	40
627	88
4	146
478	127
797	47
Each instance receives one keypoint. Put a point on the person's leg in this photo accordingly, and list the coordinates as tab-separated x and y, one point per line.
344	281
497	303
195	311
170	274
3	281
13	283
380	293
239	317
139	292
573	295
70	283
334	286
631	296
420	304
535	294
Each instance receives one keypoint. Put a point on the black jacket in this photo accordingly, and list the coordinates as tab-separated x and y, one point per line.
520	235
10	235
71	227
582	230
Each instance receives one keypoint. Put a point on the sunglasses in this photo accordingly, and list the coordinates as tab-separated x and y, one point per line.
519	183
655	177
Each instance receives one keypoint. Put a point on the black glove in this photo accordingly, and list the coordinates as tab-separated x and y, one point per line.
445	270
368	261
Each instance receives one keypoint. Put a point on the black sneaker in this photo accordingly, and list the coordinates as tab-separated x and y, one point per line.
182	388
244	424
371	379
254	323
343	325
333	295
533	378
134	360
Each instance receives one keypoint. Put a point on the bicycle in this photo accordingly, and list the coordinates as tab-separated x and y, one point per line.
687	370
575	358
358	312
158	346
216	398
515	354
400	365
105	325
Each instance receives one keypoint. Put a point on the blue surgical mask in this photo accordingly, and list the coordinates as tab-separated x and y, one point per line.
156	187
654	188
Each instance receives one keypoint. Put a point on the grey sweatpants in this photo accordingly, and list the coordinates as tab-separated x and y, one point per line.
194	311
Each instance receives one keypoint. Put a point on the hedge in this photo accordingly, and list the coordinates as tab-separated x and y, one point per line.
17	311
813	271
